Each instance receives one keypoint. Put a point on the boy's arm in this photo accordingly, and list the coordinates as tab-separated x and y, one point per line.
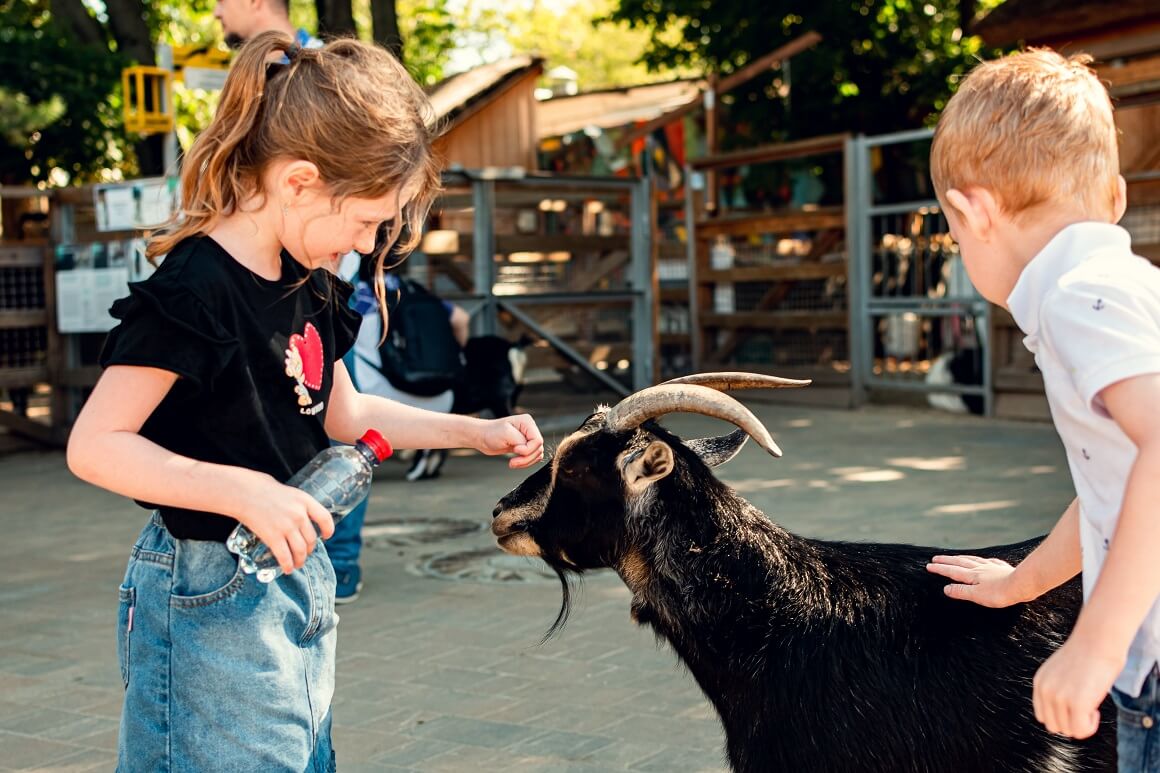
992	582
1073	681
352	413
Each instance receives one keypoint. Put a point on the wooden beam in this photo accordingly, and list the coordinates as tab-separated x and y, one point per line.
23	377
778	320
760	65
34	430
506	244
27	253
732	81
775	223
775	273
779	151
23	318
824	242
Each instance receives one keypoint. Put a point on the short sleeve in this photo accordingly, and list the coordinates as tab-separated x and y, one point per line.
164	325
1102	334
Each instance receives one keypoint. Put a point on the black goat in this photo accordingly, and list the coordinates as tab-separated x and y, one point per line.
818	656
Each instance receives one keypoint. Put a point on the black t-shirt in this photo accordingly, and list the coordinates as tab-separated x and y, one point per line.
254	358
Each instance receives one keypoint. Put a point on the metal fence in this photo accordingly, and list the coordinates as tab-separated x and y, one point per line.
912	306
567	259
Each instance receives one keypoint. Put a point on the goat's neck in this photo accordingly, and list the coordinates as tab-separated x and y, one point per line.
720	551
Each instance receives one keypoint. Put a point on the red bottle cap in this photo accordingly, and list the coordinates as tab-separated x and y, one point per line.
377	443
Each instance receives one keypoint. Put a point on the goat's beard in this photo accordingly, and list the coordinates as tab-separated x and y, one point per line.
565	604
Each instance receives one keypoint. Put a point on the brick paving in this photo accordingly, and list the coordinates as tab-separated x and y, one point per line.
440	666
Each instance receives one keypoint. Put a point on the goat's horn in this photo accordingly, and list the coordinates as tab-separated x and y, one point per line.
727	381
662	399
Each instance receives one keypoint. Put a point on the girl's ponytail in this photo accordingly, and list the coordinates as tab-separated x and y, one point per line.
349	108
217	172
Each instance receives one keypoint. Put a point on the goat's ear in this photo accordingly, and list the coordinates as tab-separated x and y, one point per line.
715	451
644	468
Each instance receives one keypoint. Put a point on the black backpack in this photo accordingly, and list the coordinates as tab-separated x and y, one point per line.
420	355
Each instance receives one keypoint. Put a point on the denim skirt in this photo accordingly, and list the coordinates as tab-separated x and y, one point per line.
222	672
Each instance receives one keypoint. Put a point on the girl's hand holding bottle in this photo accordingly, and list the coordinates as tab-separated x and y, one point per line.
283	517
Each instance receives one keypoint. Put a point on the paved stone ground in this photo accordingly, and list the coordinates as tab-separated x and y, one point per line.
445	672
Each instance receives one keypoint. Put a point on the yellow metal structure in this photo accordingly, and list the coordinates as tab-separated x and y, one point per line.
200	56
148	99
148	91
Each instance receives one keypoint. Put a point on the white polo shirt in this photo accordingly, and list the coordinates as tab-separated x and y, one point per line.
1091	313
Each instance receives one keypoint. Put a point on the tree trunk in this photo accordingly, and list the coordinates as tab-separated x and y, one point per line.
127	23
134	42
74	17
385	18
966	15
335	18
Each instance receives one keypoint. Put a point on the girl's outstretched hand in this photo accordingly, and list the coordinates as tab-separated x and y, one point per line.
283	517
985	581
517	435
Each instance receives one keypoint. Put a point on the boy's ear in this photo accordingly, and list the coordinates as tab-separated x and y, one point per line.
976	208
1120	202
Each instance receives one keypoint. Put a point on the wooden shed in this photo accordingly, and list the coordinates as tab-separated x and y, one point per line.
489	114
1124	38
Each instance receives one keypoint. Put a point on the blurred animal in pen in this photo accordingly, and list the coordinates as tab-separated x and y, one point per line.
492	380
964	368
819	656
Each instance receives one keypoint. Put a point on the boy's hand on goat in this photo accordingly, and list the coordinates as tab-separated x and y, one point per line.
1069	687
985	581
517	435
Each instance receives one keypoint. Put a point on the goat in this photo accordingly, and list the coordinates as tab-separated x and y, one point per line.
817	655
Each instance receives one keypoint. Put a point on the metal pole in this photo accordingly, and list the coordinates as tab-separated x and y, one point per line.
642	274
692	181
483	254
164	56
858	267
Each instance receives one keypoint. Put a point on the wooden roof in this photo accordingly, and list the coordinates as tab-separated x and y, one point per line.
1040	21
463	94
610	108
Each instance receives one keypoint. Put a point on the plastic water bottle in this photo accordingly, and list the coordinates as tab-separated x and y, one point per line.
338	478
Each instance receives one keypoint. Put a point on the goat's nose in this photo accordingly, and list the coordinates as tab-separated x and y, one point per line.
498	509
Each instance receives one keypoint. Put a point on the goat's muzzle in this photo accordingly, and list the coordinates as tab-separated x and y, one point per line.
511	532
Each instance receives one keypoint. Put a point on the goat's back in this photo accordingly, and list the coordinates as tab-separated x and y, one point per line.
876	669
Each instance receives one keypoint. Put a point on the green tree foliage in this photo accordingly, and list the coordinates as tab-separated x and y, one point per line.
883	65
580	35
428	29
60	76
57	99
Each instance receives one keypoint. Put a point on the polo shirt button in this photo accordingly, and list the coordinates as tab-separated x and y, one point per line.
1147	722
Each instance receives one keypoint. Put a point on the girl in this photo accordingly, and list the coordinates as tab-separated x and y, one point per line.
224	376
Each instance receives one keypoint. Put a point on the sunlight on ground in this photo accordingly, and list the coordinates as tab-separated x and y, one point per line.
929	463
970	508
749	485
1039	469
868	474
800	423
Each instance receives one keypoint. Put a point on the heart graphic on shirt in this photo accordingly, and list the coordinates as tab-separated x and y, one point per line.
309	349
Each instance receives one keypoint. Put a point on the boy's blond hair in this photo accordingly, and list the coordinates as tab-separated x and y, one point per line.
1032	128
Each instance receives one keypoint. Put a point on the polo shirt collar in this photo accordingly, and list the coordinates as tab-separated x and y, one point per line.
1069	248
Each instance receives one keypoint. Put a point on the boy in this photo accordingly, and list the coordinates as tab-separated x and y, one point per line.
1025	165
